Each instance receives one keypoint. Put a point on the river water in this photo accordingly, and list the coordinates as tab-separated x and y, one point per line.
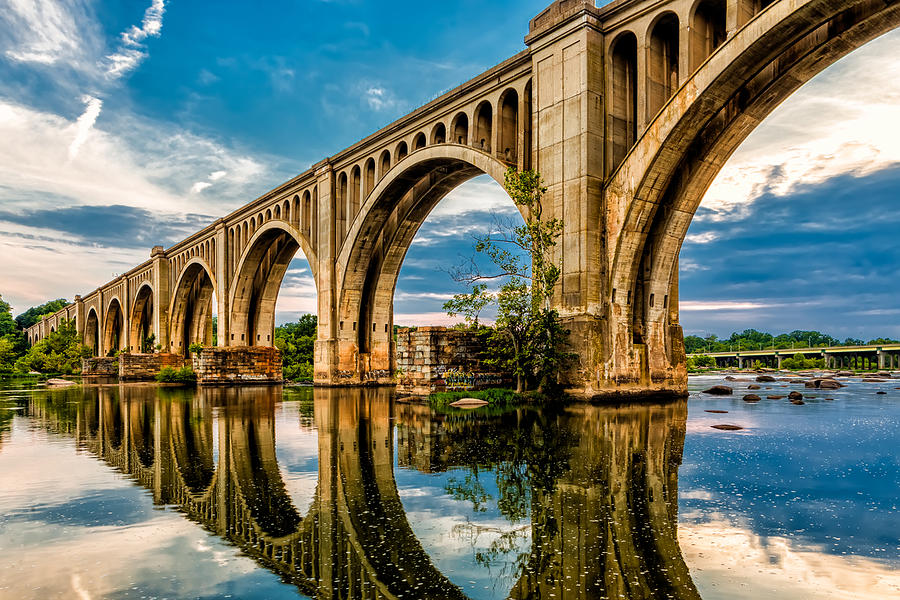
145	492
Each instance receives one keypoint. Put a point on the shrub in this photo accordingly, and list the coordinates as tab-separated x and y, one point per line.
195	348
173	375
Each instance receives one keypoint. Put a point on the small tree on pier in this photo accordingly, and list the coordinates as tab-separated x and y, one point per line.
527	338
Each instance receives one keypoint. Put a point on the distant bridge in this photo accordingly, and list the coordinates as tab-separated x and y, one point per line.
836	357
628	111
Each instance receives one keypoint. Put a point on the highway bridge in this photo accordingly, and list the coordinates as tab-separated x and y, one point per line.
836	357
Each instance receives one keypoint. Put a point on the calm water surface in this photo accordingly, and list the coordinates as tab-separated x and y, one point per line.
145	492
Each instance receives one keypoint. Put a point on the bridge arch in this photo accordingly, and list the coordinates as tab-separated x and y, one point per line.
113	326
190	313
141	321
92	331
659	185
369	261
258	278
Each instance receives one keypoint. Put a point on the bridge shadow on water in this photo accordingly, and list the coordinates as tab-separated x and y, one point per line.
595	486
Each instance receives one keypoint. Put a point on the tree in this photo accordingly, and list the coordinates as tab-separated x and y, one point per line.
7	323
36	313
297	344
59	352
527	338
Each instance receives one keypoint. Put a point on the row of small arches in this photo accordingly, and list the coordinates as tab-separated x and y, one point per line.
663	40
299	212
205	251
485	129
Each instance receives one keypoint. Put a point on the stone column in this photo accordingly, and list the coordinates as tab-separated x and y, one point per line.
568	139
326	346
79	318
880	353
223	285
162	291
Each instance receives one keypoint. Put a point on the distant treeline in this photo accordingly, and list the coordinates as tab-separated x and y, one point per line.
751	339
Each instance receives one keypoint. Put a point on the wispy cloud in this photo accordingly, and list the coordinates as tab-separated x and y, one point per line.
45	31
85	123
131	50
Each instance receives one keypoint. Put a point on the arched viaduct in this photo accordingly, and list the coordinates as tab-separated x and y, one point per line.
628	112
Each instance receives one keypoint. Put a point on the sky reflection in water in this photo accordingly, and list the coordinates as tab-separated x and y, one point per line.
140	492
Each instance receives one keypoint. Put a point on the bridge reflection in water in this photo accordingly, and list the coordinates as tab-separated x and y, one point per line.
599	484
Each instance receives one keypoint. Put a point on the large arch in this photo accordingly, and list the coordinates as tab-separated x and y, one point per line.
92	332
257	280
370	259
659	186
113	326
190	314
141	321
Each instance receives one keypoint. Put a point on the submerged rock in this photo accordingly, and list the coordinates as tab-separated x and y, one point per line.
61	382
798	402
718	412
752	398
726	427
775	397
719	390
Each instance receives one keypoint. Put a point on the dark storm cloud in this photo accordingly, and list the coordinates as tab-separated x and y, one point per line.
112	226
824	258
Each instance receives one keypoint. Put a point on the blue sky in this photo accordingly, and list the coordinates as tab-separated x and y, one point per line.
127	125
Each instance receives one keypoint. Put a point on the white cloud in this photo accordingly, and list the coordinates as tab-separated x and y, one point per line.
45	31
85	123
379	98
131	51
718	305
844	121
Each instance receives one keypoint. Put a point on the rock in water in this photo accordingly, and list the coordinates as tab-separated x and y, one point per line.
798	402
753	387
718	412
881	393
60	382
752	398
830	384
765	378
726	427
795	396
719	390
468	403
775	397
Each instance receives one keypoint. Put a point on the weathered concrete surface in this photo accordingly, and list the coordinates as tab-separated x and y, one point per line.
245	365
145	367
100	366
435	359
628	112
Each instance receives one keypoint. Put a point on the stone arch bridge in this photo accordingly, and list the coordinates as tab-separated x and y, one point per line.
628	111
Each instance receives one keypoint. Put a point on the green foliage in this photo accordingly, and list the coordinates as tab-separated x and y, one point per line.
60	352
8	325
751	339
148	343
195	348
527	338
172	375
697	363
8	355
34	314
297	344
496	397
799	361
